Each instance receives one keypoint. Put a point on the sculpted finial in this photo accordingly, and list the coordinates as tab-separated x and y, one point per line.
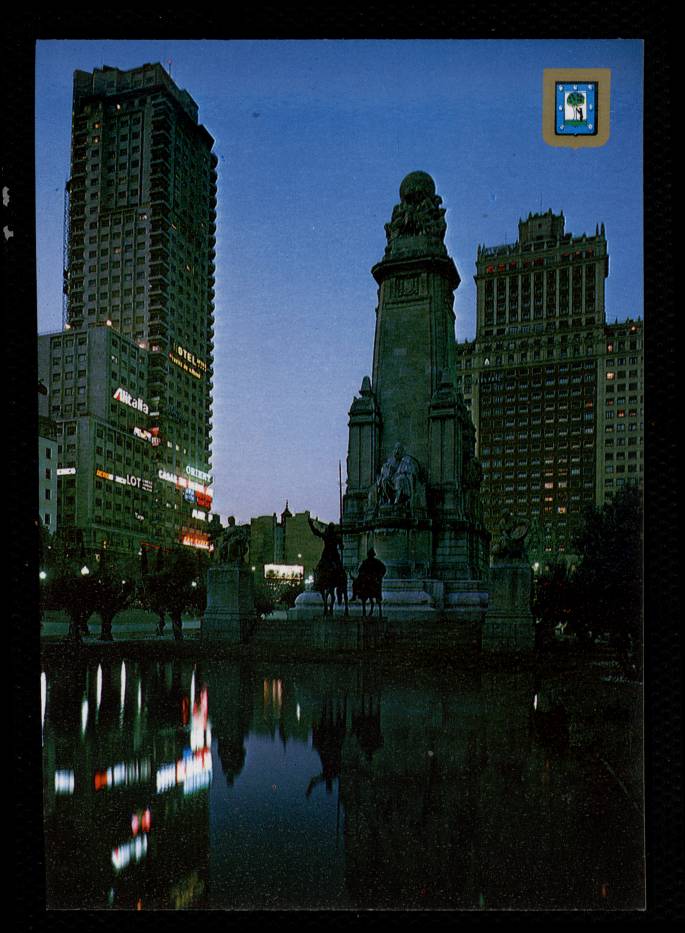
418	214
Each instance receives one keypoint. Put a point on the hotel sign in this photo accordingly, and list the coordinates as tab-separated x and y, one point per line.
187	361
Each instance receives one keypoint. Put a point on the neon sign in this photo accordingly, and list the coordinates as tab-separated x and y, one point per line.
196	539
182	481
138	482
199	515
122	395
187	361
199	474
66	471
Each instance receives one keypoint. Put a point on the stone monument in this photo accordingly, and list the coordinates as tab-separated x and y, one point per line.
509	624
230	614
413	482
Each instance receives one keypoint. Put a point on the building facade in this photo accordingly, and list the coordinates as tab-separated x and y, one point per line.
620	422
535	379
47	473
284	546
134	395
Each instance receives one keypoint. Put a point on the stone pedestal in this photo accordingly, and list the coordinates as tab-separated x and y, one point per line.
308	605
509	624
230	615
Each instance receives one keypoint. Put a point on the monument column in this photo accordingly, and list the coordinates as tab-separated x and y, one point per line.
407	444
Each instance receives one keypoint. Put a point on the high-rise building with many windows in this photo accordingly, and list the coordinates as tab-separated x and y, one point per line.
535	381
140	222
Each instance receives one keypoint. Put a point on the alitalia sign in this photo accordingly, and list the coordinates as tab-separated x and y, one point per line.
124	396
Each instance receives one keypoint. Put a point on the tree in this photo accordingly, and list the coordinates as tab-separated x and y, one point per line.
113	589
576	100
155	585
609	577
264	600
72	587
554	599
181	574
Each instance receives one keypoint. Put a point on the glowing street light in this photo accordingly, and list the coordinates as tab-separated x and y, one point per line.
84	570
42	575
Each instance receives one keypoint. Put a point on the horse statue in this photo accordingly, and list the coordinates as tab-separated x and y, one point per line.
368	584
331	581
330	578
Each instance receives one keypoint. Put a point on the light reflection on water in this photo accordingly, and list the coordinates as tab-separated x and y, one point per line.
175	785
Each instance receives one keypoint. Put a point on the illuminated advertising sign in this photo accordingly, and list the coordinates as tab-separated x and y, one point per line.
196	539
187	361
129	480
122	395
204	500
199	474
143	435
182	482
284	571
189	495
201	515
66	471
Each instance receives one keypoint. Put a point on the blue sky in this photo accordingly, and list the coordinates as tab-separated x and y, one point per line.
313	139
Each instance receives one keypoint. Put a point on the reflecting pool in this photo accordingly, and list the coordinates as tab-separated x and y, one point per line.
246	785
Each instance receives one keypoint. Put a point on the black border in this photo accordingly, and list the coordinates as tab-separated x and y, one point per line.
663	658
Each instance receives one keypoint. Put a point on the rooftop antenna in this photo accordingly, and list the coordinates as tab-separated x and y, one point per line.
169	63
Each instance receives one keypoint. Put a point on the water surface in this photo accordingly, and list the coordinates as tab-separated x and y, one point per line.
246	785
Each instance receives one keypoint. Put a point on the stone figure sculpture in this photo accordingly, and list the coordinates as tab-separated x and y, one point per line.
398	480
511	543
232	545
419	212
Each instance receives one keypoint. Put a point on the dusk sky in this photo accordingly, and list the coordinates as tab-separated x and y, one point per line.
313	139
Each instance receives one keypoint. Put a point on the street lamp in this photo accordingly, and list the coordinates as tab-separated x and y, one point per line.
84	571
42	575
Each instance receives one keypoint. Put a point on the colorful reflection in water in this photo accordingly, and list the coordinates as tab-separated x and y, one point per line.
235	785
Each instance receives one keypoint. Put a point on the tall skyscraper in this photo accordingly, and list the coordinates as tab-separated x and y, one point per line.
535	379
140	223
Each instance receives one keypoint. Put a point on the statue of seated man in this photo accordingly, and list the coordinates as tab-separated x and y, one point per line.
398	478
233	544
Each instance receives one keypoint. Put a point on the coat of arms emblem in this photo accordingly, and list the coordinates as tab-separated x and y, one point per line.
576	108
